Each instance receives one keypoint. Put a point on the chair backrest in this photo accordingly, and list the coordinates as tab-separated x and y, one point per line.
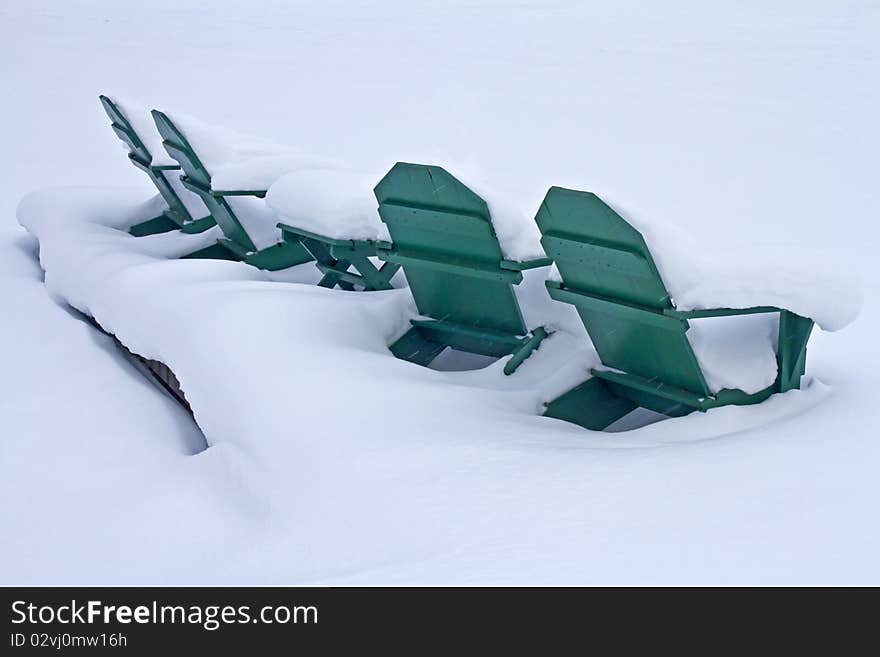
622	295
124	130
452	256
197	178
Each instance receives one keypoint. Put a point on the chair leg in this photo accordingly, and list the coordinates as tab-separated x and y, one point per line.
332	278
591	405
374	278
415	348
791	353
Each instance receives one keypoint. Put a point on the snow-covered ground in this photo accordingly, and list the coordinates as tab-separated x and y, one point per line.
749	126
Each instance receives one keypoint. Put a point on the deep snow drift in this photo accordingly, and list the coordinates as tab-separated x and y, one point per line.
742	125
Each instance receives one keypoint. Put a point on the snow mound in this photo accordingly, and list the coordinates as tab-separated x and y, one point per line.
258	219
335	203
788	278
99	270
238	161
792	278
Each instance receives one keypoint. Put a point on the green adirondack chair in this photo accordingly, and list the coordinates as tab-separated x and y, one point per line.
443	238
177	216
609	276
197	179
345	263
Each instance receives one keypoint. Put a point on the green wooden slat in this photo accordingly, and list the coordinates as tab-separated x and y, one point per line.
437	328
592	405
655	387
791	353
584	217
414	347
611	279
718	312
623	311
469	268
458	224
293	230
525	350
341	275
259	193
591	254
141	157
523	265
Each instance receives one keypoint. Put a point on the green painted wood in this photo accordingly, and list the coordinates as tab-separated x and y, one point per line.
278	256
656	388
197	179
139	155
625	311
216	251
615	286
294	233
515	265
791	352
592	405
428	338
466	337
198	226
415	347
450	265
719	312
611	279
443	237
335	258
124	130
525	350
223	214
259	193
614	261
161	224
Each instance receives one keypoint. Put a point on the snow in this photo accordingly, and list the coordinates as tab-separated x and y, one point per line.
269	338
512	218
138	115
320	458
338	204
801	280
141	121
257	218
237	161
191	201
736	352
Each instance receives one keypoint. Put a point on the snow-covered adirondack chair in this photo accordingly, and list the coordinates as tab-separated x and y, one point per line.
185	212
608	274
462	282
332	213
248	224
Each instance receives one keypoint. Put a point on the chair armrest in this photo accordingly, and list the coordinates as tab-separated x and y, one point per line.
461	266
194	186
522	265
259	193
718	312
